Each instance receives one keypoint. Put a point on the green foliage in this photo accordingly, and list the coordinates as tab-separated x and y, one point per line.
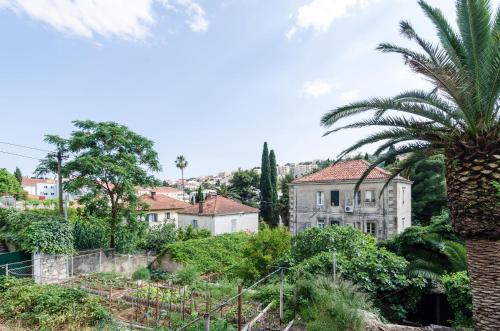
187	275
158	237
243	186
104	280
49	307
346	239
91	232
141	274
36	232
283	202
428	192
199	195
325	305
218	254
9	184
106	162
19	176
273	176
263	250
458	293
266	189
190	233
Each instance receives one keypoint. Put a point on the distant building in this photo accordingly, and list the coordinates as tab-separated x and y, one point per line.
327	198
220	215
160	209
303	169
40	188
161	190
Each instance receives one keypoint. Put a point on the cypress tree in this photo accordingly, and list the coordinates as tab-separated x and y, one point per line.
18	175
274	187
199	195
266	207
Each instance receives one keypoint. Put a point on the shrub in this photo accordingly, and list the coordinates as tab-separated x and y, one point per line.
216	254
263	250
458	292
48	307
187	275
158	237
141	274
35	232
91	232
190	233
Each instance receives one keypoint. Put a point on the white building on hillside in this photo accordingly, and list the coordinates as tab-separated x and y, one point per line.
40	188
220	215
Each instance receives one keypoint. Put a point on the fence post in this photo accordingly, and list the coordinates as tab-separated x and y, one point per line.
7	269
239	307
206	317
282	289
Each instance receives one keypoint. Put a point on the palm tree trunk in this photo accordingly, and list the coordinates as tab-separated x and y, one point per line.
472	167
484	272
182	182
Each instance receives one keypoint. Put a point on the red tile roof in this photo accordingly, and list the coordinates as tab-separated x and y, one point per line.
33	181
344	170
218	205
162	202
159	189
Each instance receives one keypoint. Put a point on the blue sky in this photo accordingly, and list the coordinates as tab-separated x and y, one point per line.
211	80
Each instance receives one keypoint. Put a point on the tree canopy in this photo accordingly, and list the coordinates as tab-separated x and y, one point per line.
9	184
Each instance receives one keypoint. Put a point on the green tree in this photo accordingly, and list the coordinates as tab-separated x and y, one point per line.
273	167
181	163
459	118
18	175
226	191
9	184
392	158
284	200
243	186
266	189
106	161
428	192
199	195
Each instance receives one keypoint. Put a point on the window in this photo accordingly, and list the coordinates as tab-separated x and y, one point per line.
234	225
370	196
45	186
152	217
321	223
195	224
335	198
357	198
320	198
348	199
51	193
403	190
371	228
334	221
168	215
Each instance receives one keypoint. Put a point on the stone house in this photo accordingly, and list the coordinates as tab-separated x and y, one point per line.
220	215
327	198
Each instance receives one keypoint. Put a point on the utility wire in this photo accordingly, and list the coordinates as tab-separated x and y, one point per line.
23	146
25	156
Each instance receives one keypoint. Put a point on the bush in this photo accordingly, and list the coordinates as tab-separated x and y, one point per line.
325	305
35	232
141	274
48	307
190	233
458	292
263	250
187	275
218	254
91	232
158	237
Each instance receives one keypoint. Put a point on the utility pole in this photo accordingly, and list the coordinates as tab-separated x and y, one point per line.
59	182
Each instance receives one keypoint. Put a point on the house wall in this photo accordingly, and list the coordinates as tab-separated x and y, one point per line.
47	190
162	217
223	223
304	211
403	191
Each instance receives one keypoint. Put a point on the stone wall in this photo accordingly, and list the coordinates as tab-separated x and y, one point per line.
49	268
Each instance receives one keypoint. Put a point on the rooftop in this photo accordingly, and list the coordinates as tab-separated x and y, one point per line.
344	170
162	202
33	181
219	205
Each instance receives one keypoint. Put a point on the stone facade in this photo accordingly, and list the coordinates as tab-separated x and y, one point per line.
325	203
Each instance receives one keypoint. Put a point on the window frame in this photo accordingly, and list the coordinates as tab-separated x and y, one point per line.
371	228
372	193
332	200
320	198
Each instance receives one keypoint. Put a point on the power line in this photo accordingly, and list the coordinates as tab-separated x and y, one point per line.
23	146
25	156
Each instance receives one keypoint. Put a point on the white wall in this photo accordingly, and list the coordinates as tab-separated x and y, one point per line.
222	223
46	190
162	217
403	202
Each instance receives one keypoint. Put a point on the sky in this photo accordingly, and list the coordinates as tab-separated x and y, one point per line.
211	80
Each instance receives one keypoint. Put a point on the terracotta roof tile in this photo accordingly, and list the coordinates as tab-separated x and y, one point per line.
344	170
219	205
33	181
162	202
160	189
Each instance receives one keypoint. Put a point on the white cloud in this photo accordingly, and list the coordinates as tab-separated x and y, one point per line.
316	88
320	14
130	20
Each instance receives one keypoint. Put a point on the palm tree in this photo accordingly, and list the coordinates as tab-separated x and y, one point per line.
226	191
458	118
181	163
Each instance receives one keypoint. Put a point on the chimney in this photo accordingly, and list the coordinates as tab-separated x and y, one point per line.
153	195
200	209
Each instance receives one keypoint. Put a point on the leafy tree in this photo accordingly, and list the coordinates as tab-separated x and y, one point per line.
458	293
243	184
106	161
459	118
181	163
199	195
18	175
284	200
9	184
226	191
266	189
428	192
